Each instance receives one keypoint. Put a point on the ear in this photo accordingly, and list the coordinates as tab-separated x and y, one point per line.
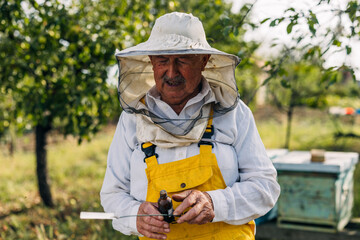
205	58
151	60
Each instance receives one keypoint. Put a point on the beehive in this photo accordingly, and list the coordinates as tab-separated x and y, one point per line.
315	195
272	154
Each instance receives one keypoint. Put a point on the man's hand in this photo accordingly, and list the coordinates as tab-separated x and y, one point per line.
202	209
151	226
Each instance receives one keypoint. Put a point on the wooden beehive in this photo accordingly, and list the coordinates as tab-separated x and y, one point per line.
272	154
315	195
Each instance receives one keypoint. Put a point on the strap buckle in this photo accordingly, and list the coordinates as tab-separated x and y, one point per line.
205	143
209	132
148	149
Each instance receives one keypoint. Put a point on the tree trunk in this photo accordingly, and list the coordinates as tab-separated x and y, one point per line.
12	140
41	165
288	127
289	119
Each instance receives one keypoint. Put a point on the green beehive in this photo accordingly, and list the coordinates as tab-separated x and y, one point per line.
272	154
315	195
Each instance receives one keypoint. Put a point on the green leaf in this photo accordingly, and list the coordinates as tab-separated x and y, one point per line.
236	31
336	43
265	20
273	23
227	30
290	10
348	50
290	27
284	83
313	18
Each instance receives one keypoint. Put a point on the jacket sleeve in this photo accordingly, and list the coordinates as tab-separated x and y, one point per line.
257	190
115	192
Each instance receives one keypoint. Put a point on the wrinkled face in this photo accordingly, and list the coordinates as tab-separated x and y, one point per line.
178	77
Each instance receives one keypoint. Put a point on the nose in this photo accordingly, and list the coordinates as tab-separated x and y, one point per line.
172	70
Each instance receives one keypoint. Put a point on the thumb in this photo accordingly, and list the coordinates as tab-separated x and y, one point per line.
179	197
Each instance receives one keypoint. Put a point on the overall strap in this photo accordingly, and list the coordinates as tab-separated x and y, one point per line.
148	148
209	131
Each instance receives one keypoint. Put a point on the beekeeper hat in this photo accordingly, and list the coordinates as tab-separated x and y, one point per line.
173	34
176	33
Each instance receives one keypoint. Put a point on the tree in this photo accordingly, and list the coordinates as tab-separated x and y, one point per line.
320	40
300	83
54	67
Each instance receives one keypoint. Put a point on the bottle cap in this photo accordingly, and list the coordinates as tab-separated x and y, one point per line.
163	193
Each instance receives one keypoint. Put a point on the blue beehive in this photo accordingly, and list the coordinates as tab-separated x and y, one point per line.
273	154
315	195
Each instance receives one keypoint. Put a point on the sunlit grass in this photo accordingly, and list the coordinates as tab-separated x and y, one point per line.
76	174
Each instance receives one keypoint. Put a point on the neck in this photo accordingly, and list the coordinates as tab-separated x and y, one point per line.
178	107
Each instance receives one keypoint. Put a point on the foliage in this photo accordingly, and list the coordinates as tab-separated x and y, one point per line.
320	40
232	27
55	70
312	46
58	56
345	88
55	59
299	83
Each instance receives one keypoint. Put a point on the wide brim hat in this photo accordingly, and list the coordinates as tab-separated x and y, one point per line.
174	34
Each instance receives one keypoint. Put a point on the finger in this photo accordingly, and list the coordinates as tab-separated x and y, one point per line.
153	235
192	213
189	201
150	208
151	226
154	221
179	197
202	218
154	225
201	213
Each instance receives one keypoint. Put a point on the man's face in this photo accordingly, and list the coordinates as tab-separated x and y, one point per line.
177	77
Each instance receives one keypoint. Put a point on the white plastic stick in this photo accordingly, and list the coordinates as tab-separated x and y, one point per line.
97	215
102	215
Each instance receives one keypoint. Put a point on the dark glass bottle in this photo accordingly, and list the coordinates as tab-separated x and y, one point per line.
166	206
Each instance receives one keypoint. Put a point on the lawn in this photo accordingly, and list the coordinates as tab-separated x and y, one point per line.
76	173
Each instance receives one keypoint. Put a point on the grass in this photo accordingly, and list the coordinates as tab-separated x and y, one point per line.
76	173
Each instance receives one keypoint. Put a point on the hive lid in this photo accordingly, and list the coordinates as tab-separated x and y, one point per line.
276	152
300	161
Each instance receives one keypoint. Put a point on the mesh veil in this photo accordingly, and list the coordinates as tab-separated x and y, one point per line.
136	79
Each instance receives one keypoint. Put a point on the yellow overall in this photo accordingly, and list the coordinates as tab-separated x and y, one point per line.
199	172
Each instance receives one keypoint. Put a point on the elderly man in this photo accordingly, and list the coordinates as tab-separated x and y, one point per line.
185	130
